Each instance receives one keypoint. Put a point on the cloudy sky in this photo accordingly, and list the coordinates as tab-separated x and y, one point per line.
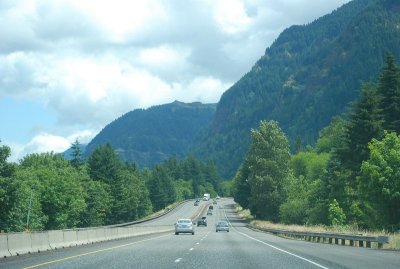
69	67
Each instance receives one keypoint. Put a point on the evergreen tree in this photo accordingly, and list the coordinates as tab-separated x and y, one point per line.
161	188
365	123
76	154
389	89
241	187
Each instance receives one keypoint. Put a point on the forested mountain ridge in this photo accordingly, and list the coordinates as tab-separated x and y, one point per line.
150	136
309	74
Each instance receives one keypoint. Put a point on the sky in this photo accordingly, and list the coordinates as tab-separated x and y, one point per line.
70	67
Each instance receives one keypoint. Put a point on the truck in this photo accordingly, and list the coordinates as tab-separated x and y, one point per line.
206	197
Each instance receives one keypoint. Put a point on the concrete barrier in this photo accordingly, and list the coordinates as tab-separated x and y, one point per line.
100	235
56	239
4	246
70	238
111	233
82	236
19	243
92	235
40	241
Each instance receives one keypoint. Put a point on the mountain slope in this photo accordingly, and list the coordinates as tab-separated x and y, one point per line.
152	135
309	74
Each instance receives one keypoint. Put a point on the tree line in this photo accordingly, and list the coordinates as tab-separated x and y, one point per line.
350	177
47	191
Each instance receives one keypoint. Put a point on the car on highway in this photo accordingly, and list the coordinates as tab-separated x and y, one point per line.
211	207
209	212
184	226
196	203
202	222
215	202
222	226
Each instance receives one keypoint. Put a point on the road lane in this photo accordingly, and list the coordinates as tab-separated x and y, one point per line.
185	210
240	248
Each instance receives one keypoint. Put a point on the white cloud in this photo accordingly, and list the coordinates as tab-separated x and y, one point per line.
90	62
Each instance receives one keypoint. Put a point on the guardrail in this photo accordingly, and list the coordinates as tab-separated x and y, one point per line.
353	240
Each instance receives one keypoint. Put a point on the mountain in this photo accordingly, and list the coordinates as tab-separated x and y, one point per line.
149	136
308	75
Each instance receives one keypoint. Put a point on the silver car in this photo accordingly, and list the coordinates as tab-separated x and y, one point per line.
184	226
222	226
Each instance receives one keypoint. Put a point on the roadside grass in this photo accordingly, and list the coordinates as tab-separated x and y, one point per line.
394	238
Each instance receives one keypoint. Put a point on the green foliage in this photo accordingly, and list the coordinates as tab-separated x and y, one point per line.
98	201
184	189
76	154
294	209
307	76
365	123
336	215
62	194
389	90
268	164
241	187
151	136
161	188
380	181
226	188
331	137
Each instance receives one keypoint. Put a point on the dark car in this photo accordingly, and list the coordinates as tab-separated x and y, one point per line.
211	207
202	222
196	203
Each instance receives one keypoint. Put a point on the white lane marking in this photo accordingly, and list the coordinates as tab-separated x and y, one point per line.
191	249
279	249
197	243
178	260
284	251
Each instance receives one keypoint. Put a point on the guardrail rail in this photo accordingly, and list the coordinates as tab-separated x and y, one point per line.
353	240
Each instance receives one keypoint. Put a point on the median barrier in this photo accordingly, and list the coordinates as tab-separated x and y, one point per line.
100	235
13	244
111	233
92	236
70	238
40	241
4	246
82	236
56	239
19	243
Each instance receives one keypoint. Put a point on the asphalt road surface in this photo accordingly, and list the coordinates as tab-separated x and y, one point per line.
240	248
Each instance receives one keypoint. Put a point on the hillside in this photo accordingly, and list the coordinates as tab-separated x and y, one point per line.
309	74
149	136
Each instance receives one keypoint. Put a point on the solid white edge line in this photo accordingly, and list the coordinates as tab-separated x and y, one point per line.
178	260
284	251
279	249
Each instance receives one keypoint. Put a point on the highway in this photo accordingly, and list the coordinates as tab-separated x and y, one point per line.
240	248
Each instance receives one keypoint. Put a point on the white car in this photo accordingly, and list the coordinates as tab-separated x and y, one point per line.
222	226
184	226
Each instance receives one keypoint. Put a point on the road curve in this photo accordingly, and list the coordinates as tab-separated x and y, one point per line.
240	248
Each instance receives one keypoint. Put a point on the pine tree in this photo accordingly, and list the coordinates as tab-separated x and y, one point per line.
365	123
76	154
389	89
